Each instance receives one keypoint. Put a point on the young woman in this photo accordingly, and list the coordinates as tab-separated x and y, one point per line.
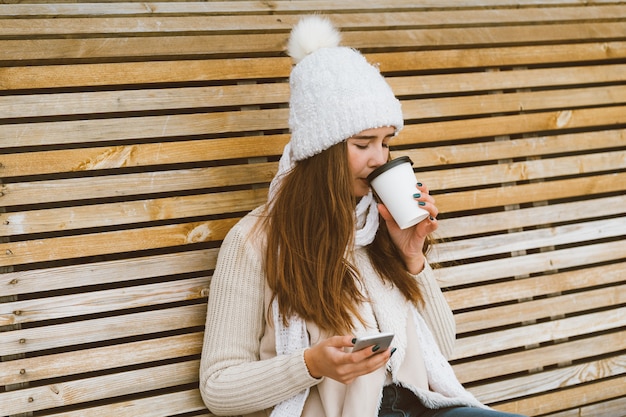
321	263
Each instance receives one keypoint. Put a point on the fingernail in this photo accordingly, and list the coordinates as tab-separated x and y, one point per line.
392	352
417	195
422	203
432	219
375	348
354	340
419	184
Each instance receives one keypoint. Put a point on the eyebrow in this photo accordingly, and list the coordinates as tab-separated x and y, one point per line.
371	137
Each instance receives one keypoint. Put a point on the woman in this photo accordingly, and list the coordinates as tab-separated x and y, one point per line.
322	263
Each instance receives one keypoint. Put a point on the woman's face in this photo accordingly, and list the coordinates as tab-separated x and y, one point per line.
367	151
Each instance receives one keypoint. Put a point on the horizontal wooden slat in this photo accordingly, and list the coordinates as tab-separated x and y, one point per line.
488	270
551	380
510	125
567	398
375	20
101	329
142	100
532	216
529	239
523	171
268	93
124	47
256	7
517	78
540	309
86	131
607	408
106	272
452	37
89	159
527	193
90	389
105	301
171	404
41	250
93	131
520	289
100	358
534	359
538	333
145	47
132	184
113	214
50	76
513	102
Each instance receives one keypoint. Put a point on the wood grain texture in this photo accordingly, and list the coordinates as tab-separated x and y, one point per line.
134	135
104	329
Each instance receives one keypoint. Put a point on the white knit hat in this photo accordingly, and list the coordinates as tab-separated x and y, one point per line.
335	92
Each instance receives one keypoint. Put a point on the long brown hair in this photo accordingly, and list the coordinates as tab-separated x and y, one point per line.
310	234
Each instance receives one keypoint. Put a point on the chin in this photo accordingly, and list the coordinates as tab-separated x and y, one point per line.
360	188
361	191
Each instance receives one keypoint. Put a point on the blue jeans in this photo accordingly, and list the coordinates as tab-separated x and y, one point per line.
400	402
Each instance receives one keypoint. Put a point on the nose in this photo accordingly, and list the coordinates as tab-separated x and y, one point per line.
379	156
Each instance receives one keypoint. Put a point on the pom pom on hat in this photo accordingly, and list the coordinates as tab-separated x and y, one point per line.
335	92
310	34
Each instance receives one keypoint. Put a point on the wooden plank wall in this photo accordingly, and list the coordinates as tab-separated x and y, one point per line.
133	135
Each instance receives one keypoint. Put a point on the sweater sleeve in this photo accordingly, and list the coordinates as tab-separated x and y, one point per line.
437	312
233	379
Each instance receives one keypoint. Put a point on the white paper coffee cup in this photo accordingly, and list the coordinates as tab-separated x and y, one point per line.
395	184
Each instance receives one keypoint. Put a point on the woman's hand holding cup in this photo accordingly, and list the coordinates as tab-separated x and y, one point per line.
410	241
407	208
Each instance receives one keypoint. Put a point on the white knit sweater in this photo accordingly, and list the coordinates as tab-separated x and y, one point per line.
241	374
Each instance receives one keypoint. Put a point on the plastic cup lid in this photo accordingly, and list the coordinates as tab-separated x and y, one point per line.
386	167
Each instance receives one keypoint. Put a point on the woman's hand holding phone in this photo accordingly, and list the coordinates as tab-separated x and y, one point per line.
329	358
